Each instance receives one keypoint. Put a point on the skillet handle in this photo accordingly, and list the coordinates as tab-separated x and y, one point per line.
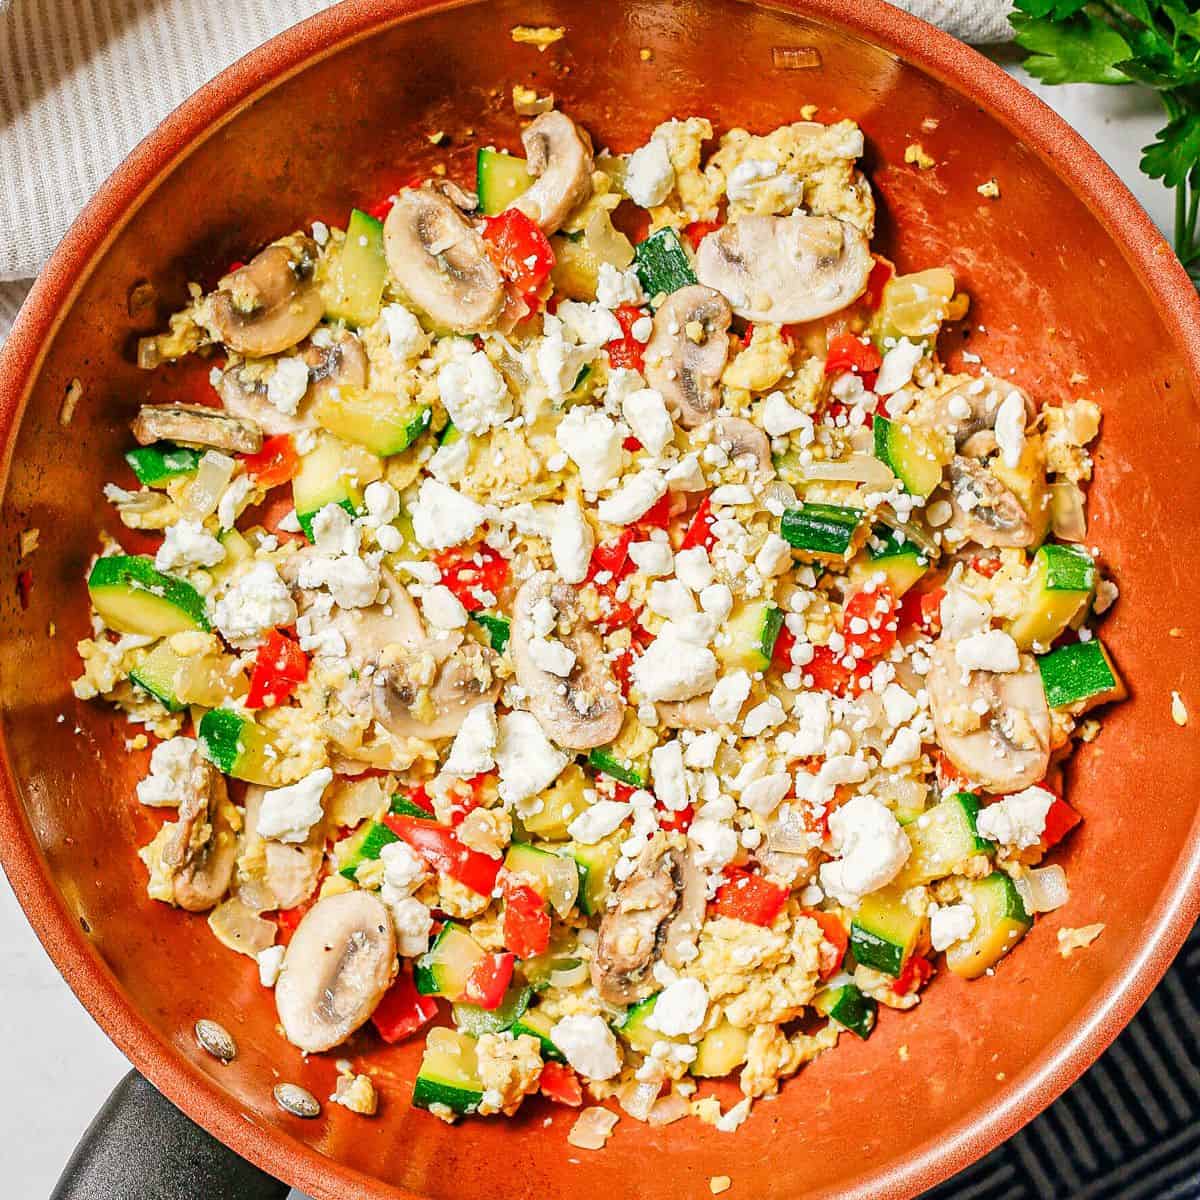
141	1147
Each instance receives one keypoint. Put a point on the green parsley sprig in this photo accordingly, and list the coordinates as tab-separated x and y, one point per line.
1155	43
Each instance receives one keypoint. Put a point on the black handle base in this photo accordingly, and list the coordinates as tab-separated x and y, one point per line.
141	1147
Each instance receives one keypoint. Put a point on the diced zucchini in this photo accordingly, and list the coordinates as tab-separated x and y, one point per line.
747	640
402	807
1063	580
324	478
364	845
913	455
561	804
238	747
634	1028
721	1051
606	762
162	461
536	1024
379	421
443	970
913	306
496	627
884	932
942	840
237	550
553	876
1080	677
901	563
472	1019
662	263
595	864
499	179
846	1005
1000	922
179	680
628	758
156	674
828	532
132	596
449	1073
355	290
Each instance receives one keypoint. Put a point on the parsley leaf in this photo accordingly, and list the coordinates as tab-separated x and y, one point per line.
1175	151
1081	49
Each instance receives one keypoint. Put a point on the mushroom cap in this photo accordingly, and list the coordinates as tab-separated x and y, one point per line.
202	849
441	263
585	709
984	508
196	425
408	703
742	440
688	372
981	396
272	302
1005	748
658	908
786	269
559	157
339	963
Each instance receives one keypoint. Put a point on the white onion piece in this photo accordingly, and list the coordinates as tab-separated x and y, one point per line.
592	1128
562	884
779	496
858	468
637	1099
1068	516
670	1108
912	532
567	977
201	496
787	832
1048	888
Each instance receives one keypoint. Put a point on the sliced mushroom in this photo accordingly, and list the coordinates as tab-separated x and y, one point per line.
967	411
559	157
686	354
994	727
416	696
984	509
467	201
746	444
202	848
339	963
658	908
195	425
441	263
584	709
696	713
272	302
334	360
786	269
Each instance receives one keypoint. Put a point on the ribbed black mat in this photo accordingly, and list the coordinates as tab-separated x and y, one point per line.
1128	1130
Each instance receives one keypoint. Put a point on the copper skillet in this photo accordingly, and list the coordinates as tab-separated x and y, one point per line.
1069	279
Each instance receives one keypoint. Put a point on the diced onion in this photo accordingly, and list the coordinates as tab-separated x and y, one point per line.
858	468
562	879
1048	888
912	531
239	928
787	832
201	496
779	496
670	1108
592	1128
638	1098
1067	513
353	800
570	972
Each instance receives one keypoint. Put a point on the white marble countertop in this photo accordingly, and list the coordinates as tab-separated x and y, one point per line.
60	1066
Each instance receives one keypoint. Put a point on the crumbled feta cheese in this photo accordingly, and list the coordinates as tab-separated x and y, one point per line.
872	848
730	494
994	650
774	557
702	751
646	412
687	475
254	602
634	498
615	287
590	324
443	517
269	962
763	716
717	601
729	695
382	502
233	501
898	705
649	176
1018	820
780	418
592	440
652	558
188	544
288	813
1010	428
558	362
403	868
474	393
951	924
412	921
598	821
526	758
588	1045
442	609
669	598
693	569
474	748
764	795
450	461
680	1008
571	542
905	747
813	719
961	615
716	843
406	339
552	656
670	779
287	385
898	366
674	668
176	769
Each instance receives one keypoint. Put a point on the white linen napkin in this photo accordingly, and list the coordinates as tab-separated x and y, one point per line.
82	81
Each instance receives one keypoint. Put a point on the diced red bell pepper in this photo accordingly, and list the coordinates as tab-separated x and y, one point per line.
627	351
749	898
444	853
279	667
275	463
985	565
881	272
470	573
403	1010
697	231
948	775
848	353
560	1084
488	982
520	250
526	920
834	940
631	444
288	919
781	652
877	608
700	530
922	611
611	557
676	821
830	673
657	516
1061	818
420	797
914	975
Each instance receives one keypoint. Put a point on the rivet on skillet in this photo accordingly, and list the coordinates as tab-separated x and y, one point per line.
216	1039
295	1100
